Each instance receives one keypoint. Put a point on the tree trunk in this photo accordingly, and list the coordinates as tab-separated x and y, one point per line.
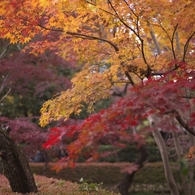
128	178
191	165
164	155
179	152
15	165
167	168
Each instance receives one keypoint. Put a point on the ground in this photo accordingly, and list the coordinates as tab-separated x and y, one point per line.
51	186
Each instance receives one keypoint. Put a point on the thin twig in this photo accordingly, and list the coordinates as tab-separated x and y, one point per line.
130	9
121	20
172	42
4	51
177	41
5	95
165	31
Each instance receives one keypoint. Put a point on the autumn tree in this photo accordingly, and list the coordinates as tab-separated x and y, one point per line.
27	87
148	46
23	88
14	161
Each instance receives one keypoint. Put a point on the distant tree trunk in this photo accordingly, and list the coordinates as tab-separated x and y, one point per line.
164	155
191	165
128	179
167	168
179	152
15	165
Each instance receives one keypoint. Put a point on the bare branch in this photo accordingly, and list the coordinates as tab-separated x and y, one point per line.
181	121
164	31
4	51
129	77
185	125
149	70
177	41
172	41
186	46
5	95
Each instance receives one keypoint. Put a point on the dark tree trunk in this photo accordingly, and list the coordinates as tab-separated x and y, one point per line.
15	165
128	178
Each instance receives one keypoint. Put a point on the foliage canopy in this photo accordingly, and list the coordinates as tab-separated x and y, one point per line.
145	46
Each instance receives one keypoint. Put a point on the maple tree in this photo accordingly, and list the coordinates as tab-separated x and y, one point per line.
23	88
26	88
148	46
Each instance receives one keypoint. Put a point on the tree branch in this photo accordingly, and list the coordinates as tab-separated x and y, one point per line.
130	9
121	93
121	20
129	77
184	124
172	41
177	41
100	8
164	31
93	38
163	73
80	35
5	95
186	46
181	121
138	36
